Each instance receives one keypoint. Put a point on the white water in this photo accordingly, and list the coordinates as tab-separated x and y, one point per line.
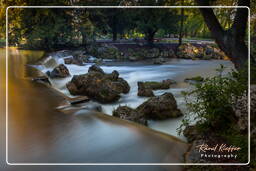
133	72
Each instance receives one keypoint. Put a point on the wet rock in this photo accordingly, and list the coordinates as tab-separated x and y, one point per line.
98	85
42	79
160	107
72	60
146	88
61	71
95	68
113	76
77	100
194	80
165	84
127	113
143	91
119	85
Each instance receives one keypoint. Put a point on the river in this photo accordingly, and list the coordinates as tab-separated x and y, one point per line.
38	132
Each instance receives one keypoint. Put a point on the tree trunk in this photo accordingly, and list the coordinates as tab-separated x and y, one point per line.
181	23
150	37
231	41
114	29
84	39
114	35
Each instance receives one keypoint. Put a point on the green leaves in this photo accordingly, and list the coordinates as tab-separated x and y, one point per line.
211	102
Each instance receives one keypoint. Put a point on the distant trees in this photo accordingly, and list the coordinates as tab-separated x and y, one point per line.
50	28
149	21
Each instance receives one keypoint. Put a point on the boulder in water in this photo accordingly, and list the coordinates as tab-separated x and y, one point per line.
95	68
146	88
160	107
72	60
61	71
127	113
165	84
105	88
144	91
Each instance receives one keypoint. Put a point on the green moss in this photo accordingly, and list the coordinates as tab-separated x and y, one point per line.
156	85
197	78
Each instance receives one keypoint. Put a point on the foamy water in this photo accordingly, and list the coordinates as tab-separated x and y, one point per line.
133	72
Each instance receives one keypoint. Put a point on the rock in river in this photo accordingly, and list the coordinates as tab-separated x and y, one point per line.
98	85
127	113
160	107
72	60
61	71
145	89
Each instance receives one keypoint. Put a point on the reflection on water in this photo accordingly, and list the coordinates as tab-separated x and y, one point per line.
40	133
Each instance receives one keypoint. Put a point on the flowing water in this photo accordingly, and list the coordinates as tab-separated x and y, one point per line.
38	132
133	72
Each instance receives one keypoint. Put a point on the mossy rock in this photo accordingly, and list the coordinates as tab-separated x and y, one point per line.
197	79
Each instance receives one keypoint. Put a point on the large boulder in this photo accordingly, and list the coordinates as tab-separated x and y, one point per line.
127	113
98	85
160	107
61	71
144	91
95	68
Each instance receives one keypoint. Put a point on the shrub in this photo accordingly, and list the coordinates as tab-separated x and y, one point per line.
211	102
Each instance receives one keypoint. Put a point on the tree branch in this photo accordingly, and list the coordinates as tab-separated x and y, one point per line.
211	21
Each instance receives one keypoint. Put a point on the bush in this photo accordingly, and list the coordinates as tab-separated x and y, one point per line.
211	102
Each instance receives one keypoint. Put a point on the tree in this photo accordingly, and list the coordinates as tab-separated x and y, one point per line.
181	23
150	20
231	41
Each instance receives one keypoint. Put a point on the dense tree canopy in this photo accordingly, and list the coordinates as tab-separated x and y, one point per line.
50	28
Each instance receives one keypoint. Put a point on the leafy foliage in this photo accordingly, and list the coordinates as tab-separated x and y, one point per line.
211	102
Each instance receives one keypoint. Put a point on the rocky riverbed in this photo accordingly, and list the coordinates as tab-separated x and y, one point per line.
138	86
